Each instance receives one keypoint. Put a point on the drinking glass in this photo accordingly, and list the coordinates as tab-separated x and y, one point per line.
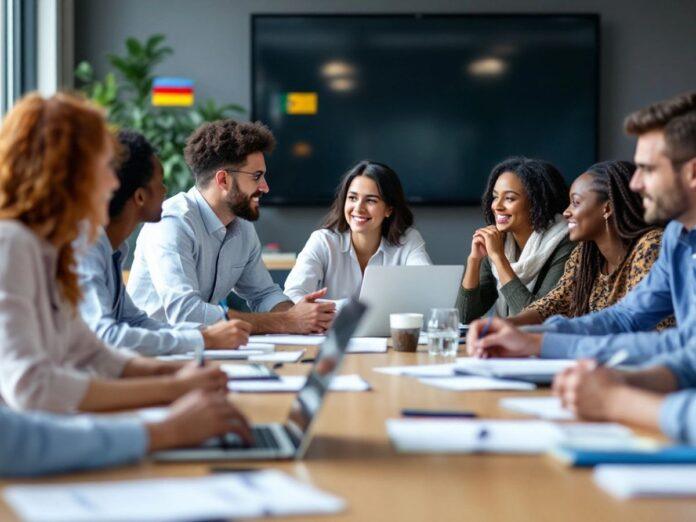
443	332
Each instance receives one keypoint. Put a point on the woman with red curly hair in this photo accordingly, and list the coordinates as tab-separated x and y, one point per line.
56	179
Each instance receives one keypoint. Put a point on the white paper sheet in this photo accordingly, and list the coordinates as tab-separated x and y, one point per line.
513	367
285	357
367	345
421	370
292	340
630	481
233	495
293	383
245	371
473	383
548	408
467	436
356	344
499	436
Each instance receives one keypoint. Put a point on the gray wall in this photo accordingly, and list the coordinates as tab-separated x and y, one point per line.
648	53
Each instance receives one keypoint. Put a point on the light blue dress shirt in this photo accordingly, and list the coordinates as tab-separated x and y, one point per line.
110	313
678	416
40	443
669	288
189	262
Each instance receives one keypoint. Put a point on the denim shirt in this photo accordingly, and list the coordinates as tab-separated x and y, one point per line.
39	443
111	314
669	288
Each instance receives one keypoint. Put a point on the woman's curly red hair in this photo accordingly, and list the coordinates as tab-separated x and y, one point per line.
48	152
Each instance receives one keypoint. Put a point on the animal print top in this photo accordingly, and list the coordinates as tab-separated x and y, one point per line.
607	289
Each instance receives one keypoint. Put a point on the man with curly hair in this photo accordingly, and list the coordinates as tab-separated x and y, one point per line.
205	245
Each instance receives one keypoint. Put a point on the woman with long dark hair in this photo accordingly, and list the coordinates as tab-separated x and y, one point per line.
521	254
616	246
369	223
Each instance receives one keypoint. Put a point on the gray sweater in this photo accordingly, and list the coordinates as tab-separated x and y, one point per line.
475	302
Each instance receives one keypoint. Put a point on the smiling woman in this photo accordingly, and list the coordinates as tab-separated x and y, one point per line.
521	254
369	224
616	246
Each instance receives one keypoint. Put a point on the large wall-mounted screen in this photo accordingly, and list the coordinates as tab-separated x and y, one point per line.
440	99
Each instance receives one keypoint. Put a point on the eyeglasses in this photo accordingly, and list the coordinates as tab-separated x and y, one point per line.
256	176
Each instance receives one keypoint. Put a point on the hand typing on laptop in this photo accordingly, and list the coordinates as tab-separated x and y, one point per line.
196	417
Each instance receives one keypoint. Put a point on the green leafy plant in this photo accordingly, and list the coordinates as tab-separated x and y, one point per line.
125	94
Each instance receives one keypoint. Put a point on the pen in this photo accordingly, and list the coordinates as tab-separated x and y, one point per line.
487	326
448	414
616	359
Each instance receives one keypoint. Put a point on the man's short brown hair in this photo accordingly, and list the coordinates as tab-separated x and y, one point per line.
676	117
224	143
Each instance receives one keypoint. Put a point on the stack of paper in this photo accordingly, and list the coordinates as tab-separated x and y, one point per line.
455	436
293	383
544	407
291	340
356	344
629	481
241	353
423	370
463	383
533	370
497	436
238	495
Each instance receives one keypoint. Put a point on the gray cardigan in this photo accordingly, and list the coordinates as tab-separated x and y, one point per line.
475	302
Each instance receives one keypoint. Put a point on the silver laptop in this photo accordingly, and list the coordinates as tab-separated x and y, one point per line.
405	289
289	440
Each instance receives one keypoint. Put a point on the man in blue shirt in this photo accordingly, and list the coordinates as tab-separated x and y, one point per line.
651	397
106	306
40	443
663	159
206	246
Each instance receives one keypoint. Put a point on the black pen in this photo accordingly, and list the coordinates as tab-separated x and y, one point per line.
445	414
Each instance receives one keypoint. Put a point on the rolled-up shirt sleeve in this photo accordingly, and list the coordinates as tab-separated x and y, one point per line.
255	285
168	251
678	416
37	444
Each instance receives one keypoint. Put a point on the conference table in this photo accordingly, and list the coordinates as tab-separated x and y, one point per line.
351	456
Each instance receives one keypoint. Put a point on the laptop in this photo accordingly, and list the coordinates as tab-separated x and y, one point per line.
406	289
291	439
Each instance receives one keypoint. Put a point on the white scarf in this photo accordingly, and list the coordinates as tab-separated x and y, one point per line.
534	255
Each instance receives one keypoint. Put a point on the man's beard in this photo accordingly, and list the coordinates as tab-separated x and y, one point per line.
240	204
670	204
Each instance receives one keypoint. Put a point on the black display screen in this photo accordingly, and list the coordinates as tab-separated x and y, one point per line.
440	99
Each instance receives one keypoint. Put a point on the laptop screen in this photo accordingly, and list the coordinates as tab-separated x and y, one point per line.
310	397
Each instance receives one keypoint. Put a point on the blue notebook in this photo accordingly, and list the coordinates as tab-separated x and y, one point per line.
584	457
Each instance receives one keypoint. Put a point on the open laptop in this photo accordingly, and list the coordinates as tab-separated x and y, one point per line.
289	440
405	289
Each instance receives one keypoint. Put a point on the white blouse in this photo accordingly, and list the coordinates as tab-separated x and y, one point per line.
329	260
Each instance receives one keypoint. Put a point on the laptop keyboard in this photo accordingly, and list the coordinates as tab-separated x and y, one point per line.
263	439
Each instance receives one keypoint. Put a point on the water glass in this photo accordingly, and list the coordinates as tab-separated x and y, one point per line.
443	332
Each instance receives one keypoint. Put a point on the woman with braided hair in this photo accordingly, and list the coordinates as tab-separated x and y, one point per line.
616	246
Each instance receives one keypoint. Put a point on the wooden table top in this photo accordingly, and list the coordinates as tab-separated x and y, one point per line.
350	456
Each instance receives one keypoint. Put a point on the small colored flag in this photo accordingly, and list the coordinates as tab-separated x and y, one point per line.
172	92
300	102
